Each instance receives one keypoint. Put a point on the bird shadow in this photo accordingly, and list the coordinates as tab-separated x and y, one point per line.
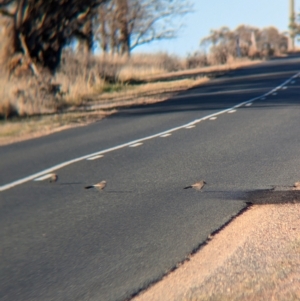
259	196
118	191
71	183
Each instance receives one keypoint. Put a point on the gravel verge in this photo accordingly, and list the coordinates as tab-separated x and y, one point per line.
256	257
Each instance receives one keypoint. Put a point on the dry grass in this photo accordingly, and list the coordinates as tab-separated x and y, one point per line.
26	128
149	89
88	83
132	73
231	65
82	77
81	86
74	89
161	61
25	97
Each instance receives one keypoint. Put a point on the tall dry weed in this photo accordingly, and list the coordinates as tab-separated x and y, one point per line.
26	97
160	60
130	73
84	74
196	60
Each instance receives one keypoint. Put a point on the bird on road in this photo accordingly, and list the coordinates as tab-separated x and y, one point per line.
53	178
296	186
99	186
198	185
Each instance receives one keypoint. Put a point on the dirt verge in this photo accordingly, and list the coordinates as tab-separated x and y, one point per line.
256	257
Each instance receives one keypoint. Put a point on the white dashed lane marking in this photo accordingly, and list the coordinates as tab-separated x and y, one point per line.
95	157
232	111
248	104
190	127
43	178
165	135
137	142
284	88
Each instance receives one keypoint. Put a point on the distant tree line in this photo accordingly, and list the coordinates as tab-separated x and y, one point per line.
246	41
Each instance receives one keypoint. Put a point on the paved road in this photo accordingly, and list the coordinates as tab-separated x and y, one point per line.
62	242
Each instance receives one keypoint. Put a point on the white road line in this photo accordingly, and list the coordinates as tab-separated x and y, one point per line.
232	111
248	104
135	145
212	118
165	135
95	157
45	177
105	151
284	88
190	127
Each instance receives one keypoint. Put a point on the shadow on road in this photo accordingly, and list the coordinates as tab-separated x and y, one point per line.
259	196
235	87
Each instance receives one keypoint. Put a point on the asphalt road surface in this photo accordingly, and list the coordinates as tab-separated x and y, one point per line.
59	241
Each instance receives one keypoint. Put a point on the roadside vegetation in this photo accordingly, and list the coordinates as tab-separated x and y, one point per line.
49	65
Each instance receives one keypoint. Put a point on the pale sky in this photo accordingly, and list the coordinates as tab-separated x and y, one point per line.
213	14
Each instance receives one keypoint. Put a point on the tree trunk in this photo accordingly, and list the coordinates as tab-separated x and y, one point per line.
103	33
122	8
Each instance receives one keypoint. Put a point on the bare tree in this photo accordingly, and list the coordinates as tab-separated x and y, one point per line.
103	35
270	41
106	27
123	25
131	23
154	20
85	37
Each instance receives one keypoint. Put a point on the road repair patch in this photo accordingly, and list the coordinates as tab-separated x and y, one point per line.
269	196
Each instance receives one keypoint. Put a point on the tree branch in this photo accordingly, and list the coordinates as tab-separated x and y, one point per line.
27	55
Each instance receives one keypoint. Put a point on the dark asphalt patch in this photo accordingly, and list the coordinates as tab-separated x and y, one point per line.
268	196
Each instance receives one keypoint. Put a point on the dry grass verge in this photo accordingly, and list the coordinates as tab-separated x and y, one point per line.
82	77
146	90
204	71
82	94
22	129
88	83
25	97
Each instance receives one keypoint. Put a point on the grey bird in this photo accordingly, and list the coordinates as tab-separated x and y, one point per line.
99	186
53	178
296	186
198	185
